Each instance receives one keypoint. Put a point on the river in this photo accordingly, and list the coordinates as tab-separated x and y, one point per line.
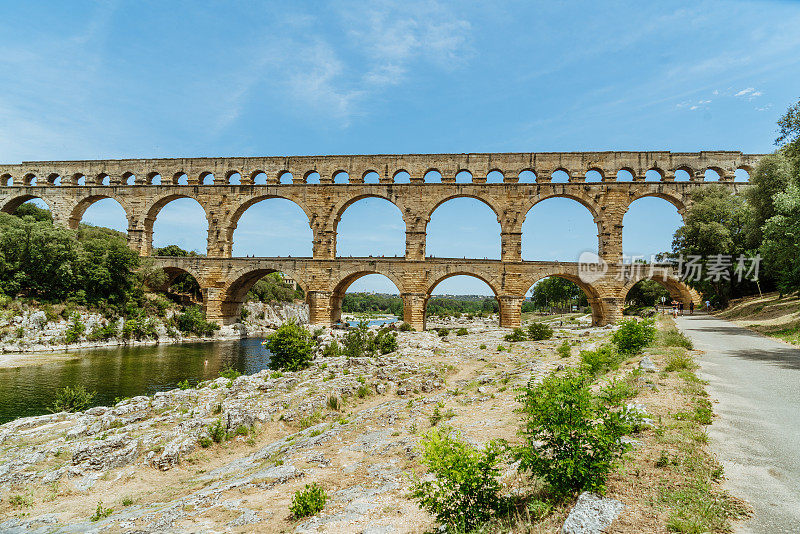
123	372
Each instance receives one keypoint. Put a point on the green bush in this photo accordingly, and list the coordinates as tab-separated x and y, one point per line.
193	321
139	329
539	332
677	362
564	350
230	373
405	327
443	332
308	502
466	490
184	384
101	513
75	330
632	335
217	431
332	349
461	332
385	341
518	334
572	437
604	358
291	346
360	341
672	337
74	399
104	332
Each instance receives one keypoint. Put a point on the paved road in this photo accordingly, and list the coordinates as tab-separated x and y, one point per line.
756	435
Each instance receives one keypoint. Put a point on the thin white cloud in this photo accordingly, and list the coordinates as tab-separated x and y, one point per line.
745	92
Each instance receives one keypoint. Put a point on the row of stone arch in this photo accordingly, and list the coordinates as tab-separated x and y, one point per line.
433	175
416	215
225	306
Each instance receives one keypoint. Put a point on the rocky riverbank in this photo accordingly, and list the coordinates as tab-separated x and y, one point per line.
31	330
228	455
351	424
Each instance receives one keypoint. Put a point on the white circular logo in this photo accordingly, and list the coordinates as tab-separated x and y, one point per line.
591	267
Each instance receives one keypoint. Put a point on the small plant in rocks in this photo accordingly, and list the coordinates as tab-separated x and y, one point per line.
539	332
632	336
308	501
74	399
465	491
572	437
101	512
518	334
564	350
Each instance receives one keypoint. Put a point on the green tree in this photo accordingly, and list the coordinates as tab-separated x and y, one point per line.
557	292
291	346
716	223
647	293
781	245
772	175
789	135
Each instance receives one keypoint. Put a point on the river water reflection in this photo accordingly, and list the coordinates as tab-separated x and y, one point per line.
123	372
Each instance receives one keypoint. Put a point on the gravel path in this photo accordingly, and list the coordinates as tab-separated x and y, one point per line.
756	381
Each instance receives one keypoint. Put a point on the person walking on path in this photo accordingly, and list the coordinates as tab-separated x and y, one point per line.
691	308
680	308
708	306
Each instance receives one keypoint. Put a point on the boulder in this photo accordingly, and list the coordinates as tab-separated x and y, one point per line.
591	514
646	364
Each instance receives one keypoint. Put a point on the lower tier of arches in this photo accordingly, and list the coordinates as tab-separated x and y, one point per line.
225	282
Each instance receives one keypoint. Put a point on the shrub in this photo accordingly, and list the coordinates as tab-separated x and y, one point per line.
334	403
184	384
672	337
632	335
357	341
332	349
103	332
230	373
74	399
291	346
75	330
461	332
443	332
564	350
677	362
101	513
539	331
193	321
405	327
483	346
217	431
600	360
363	391
139	329
518	334
308	502
466	490
385	341
572	438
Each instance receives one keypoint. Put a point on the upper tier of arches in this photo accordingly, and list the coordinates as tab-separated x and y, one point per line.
416	168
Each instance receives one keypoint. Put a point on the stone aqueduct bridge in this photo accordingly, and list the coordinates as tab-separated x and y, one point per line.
143	187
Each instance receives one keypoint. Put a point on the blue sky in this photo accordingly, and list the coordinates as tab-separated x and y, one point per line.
88	80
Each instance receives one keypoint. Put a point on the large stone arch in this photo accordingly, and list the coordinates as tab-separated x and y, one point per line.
346	280
229	225
595	295
145	240
340	208
677	289
230	297
676	200
489	201
10	205
79	209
